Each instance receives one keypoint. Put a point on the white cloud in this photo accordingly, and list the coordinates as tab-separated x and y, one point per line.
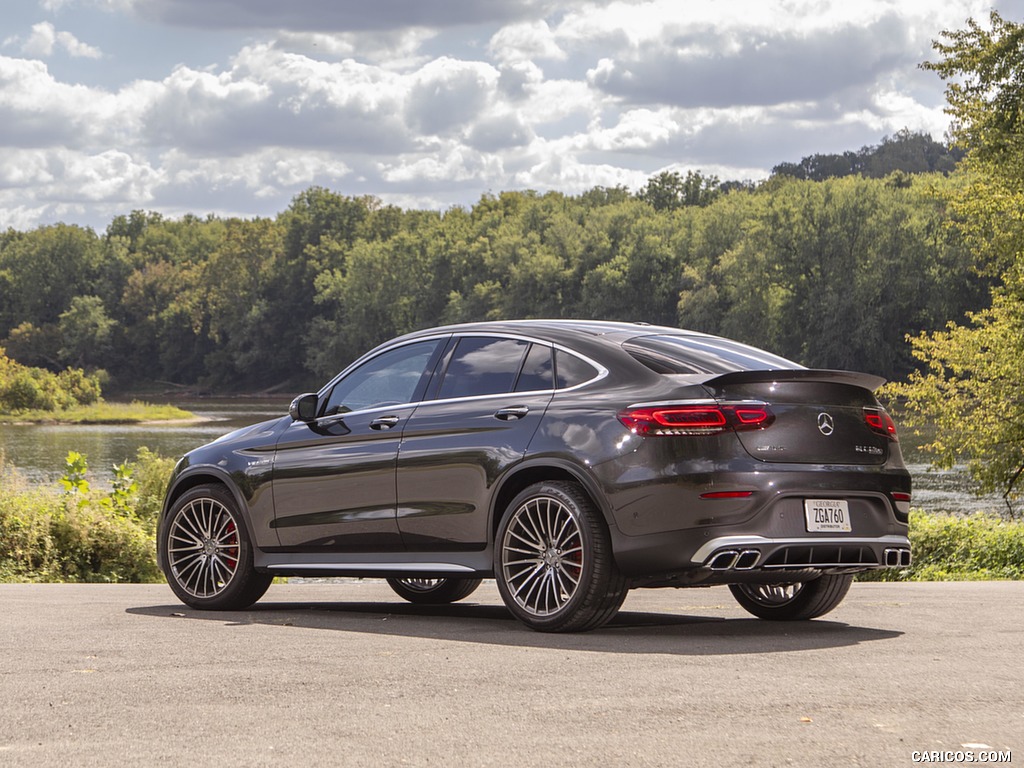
557	169
524	42
441	102
273	98
454	163
392	49
45	39
36	110
448	94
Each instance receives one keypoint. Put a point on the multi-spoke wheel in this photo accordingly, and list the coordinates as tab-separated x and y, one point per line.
435	591
554	563
793	602
207	554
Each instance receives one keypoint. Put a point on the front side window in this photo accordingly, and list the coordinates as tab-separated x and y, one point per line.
482	366
391	378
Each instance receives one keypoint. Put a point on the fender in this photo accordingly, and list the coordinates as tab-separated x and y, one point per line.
541	463
200	474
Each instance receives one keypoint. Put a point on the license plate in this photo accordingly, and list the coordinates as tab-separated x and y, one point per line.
827	515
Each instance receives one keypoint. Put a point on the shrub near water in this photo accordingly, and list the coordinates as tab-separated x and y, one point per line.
948	548
26	389
82	534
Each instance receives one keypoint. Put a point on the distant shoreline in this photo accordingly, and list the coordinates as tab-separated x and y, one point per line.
105	413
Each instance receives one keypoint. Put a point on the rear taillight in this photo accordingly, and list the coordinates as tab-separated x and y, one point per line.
696	419
881	422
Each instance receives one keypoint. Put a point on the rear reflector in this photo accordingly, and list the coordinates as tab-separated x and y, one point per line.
696	419
881	422
900	496
727	495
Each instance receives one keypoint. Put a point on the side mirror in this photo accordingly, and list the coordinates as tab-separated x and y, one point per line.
303	407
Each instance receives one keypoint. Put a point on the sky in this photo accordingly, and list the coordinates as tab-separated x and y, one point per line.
232	107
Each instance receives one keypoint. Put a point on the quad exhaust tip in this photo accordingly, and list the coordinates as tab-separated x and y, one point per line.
897	558
734	560
747	559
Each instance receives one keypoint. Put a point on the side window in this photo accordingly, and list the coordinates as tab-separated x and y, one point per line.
571	370
482	366
390	378
537	372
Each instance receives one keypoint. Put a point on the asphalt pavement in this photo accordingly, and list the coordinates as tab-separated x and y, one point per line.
346	674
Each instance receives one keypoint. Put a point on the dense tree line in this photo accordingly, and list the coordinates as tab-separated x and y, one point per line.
904	153
832	274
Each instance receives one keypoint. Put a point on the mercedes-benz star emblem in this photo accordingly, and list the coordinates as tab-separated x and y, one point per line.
825	424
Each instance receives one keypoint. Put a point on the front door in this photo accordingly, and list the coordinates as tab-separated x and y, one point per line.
334	478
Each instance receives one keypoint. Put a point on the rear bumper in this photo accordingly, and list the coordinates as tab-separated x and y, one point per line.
745	553
772	544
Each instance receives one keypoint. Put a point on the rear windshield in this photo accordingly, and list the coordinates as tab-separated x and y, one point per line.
702	354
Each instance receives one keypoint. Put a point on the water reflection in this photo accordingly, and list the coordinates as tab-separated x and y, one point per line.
38	451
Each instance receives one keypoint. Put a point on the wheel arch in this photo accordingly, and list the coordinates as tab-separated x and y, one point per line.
193	478
538	471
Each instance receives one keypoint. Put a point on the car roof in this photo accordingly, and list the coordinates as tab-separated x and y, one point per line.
557	329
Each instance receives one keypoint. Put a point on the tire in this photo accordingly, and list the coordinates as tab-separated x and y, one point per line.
434	591
207	553
553	560
793	602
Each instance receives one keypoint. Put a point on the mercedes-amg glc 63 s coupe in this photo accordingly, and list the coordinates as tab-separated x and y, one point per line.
571	461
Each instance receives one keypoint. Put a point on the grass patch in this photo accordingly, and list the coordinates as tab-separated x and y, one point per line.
136	412
948	548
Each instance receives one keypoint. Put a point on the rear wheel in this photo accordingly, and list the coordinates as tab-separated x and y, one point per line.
434	591
793	602
208	554
554	564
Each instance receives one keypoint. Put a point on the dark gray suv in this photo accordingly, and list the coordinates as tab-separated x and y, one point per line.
570	461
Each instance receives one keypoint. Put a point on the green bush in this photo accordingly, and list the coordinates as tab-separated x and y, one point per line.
27	548
948	548
82	534
34	389
152	473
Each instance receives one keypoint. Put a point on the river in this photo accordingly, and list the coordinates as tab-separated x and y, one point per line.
38	451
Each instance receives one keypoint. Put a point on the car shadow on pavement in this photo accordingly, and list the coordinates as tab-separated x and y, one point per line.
630	632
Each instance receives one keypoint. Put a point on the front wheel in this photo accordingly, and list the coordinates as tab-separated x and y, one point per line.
434	591
553	560
207	552
795	601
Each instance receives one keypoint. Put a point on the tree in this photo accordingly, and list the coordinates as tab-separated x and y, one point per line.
86	333
669	190
972	384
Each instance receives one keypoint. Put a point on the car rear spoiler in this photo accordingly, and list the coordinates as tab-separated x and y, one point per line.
865	380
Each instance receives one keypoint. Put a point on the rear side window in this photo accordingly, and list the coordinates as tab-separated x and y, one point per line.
702	354
482	366
571	370
538	372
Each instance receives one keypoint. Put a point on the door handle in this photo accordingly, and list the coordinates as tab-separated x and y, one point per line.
384	422
512	413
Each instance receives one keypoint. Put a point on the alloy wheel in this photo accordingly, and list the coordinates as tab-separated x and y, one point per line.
542	555
203	547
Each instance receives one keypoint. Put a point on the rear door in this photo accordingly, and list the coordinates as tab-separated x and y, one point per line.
476	422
